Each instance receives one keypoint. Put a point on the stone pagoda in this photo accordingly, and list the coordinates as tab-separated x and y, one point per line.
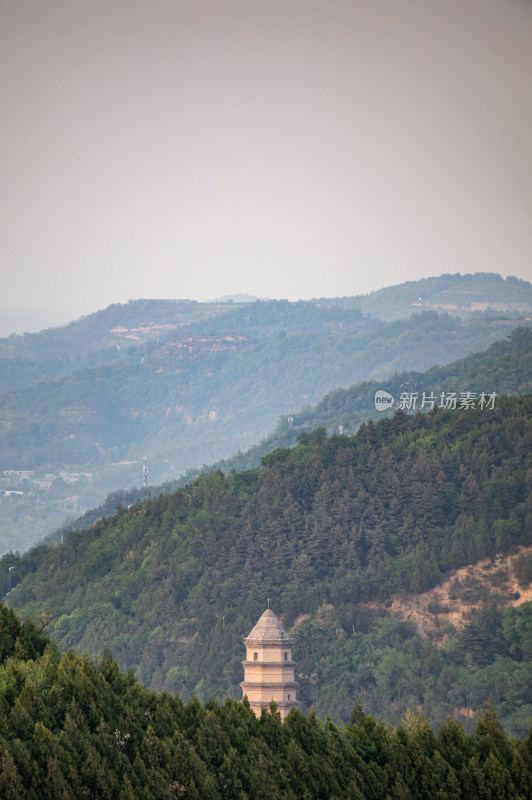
268	668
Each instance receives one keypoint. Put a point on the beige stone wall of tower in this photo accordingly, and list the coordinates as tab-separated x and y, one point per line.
268	668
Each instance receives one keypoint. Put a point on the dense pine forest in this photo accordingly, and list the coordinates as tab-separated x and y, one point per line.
71	728
331	530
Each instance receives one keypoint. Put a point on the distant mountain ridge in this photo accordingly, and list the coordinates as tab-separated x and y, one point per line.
450	293
453	294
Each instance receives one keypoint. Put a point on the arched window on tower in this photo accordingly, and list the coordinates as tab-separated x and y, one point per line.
255	656
286	655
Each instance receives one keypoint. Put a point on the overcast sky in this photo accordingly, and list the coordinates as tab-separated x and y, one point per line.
283	148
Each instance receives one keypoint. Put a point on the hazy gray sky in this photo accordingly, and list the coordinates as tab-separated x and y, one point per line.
284	148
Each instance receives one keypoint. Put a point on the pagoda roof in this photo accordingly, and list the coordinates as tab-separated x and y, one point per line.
268	629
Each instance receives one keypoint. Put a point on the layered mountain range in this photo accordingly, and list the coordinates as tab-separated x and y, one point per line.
174	385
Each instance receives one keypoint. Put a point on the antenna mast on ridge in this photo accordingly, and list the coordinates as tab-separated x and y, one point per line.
290	415
145	472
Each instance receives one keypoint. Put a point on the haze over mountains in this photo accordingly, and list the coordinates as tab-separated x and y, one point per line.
506	366
28	320
185	384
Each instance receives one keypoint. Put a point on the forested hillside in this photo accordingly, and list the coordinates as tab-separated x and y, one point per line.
70	727
192	399
505	368
95	339
173	584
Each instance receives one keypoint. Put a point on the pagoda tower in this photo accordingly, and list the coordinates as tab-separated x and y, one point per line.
268	668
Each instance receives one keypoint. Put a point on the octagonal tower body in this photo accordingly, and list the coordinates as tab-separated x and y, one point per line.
268	668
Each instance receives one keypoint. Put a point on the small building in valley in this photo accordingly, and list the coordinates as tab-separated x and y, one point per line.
268	668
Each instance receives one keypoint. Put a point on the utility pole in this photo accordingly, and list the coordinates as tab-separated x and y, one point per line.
290	415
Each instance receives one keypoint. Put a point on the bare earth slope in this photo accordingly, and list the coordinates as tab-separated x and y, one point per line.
438	613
